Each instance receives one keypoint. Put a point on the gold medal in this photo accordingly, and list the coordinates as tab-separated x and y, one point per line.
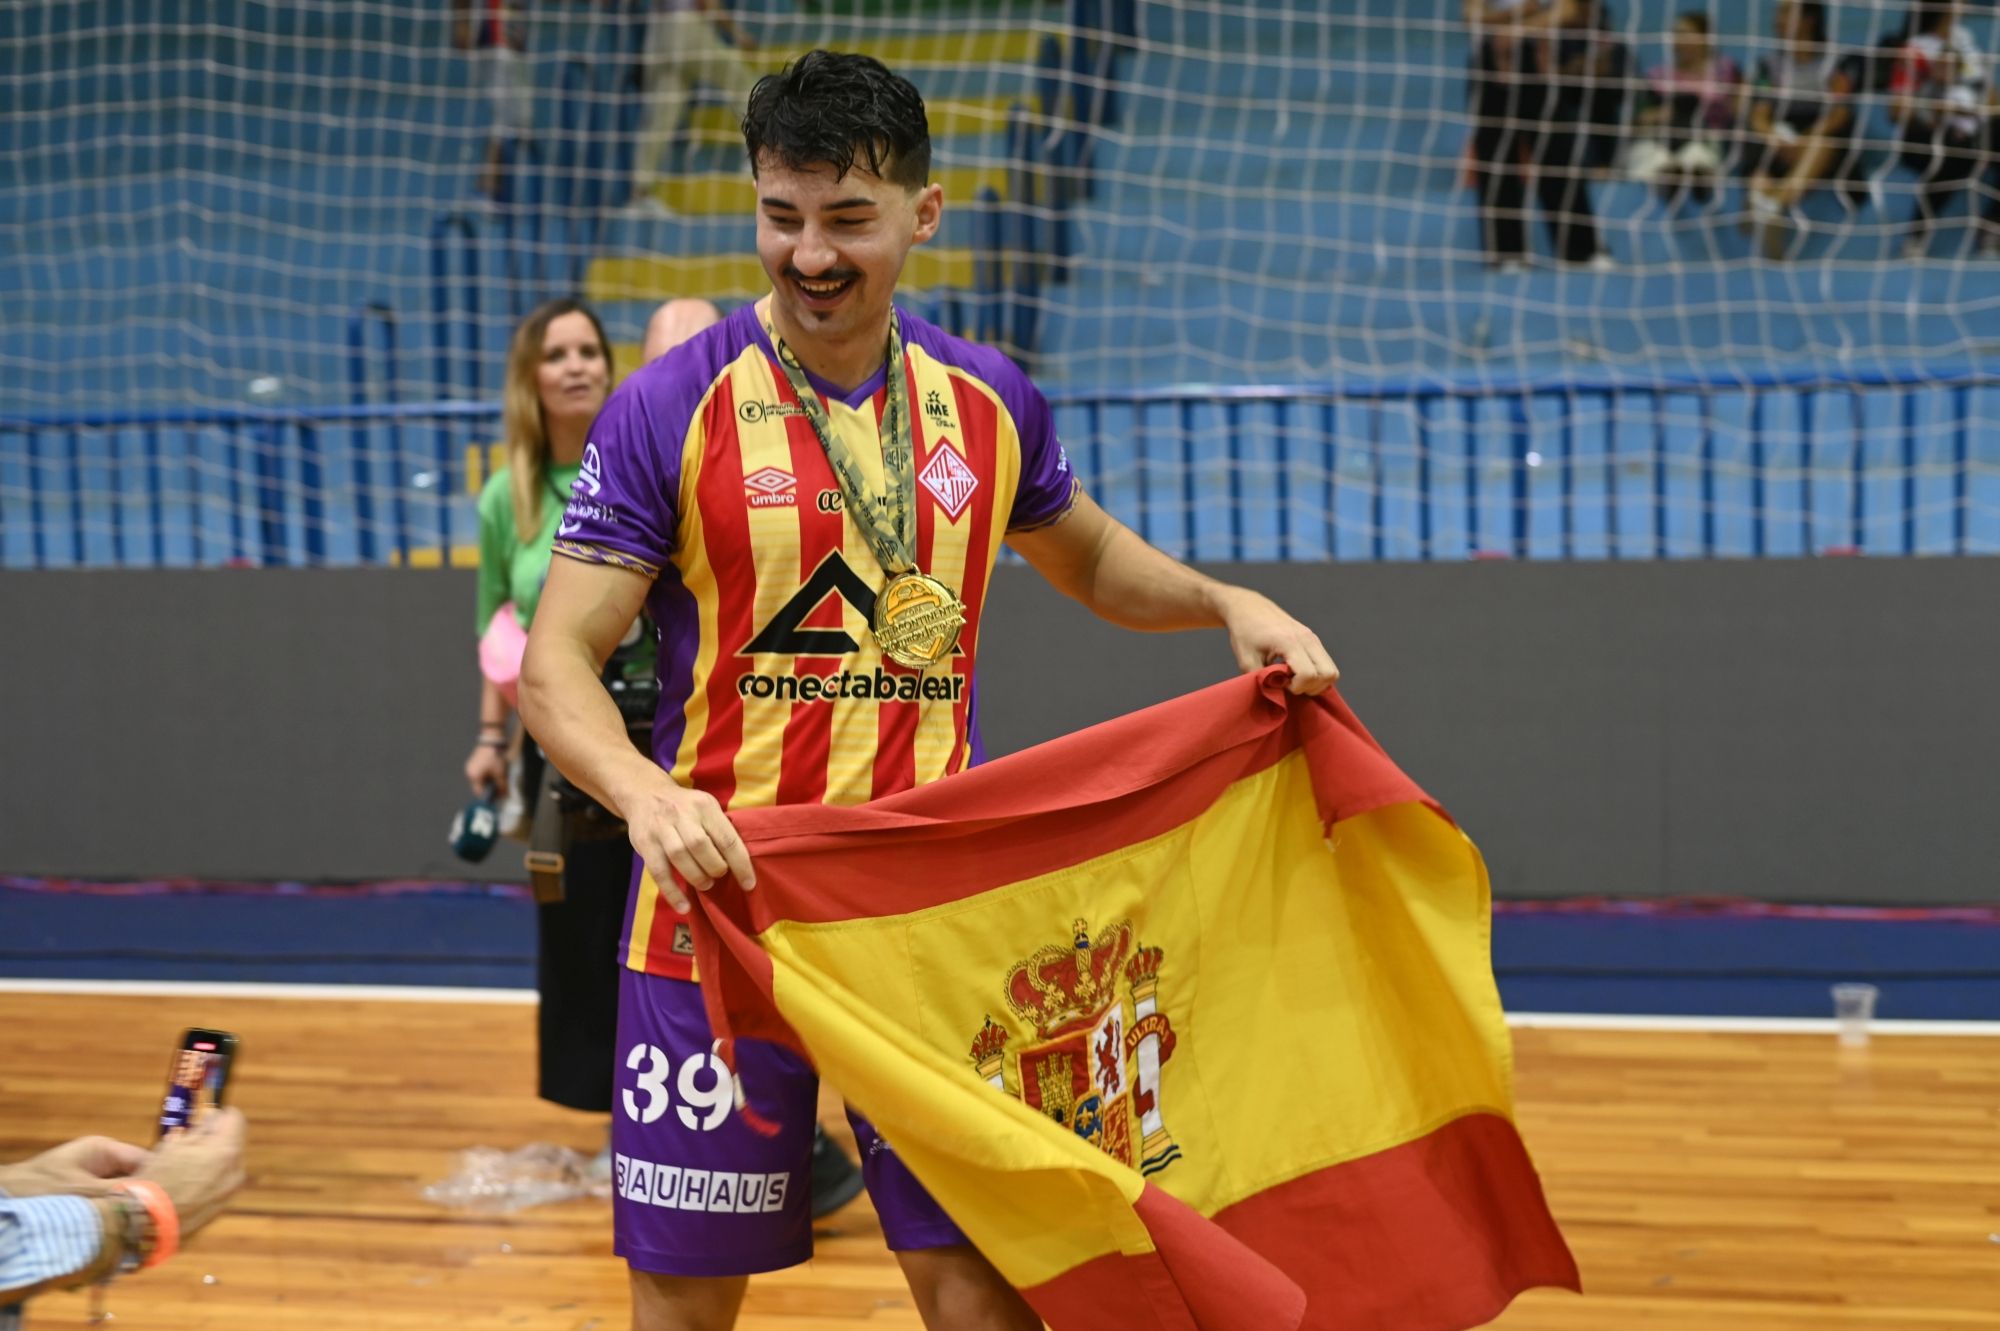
917	620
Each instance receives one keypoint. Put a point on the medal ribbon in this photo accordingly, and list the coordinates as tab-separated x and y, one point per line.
886	521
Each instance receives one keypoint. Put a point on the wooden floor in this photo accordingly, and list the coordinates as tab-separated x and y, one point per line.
1705	1181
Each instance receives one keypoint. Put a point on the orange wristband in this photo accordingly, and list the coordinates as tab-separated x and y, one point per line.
160	1210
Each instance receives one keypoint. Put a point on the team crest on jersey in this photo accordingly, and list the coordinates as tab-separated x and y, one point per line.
1098	1043
770	488
949	480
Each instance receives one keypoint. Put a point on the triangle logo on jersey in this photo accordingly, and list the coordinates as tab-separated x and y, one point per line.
784	634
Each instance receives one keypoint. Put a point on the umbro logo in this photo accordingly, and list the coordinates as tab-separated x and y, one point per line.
770	488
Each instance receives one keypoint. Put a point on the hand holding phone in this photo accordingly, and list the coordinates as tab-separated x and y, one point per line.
200	1167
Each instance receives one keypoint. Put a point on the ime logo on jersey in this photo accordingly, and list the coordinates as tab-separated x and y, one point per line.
590	475
715	1191
937	410
770	488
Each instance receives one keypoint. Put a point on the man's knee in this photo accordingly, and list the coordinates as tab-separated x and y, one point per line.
957	1288
685	1303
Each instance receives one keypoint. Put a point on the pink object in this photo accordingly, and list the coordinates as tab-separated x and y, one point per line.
500	650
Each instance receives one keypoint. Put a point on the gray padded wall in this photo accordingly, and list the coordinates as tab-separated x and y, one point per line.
1806	731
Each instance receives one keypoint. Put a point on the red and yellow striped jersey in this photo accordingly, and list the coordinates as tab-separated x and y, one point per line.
703	473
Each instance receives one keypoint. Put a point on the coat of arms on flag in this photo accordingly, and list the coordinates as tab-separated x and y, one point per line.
1099	1039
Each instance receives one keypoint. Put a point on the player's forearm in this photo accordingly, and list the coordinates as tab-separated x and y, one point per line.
565	707
1136	586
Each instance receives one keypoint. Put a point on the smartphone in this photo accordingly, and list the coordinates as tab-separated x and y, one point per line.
197	1080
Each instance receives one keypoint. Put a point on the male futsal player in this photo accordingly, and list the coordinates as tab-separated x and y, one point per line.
809	498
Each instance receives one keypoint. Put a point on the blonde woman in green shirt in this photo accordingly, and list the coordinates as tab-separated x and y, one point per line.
558	375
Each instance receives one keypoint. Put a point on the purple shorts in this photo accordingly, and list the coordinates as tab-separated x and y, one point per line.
700	1193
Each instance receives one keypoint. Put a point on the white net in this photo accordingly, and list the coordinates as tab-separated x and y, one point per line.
252	214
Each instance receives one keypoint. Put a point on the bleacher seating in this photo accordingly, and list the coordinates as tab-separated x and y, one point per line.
203	224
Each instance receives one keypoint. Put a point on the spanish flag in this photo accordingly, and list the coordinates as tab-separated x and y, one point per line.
1187	1019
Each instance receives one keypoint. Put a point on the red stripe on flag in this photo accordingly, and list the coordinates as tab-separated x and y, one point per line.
1090	793
1197	1278
1438	1234
1433	1235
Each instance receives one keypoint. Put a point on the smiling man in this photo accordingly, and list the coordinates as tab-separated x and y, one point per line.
809	497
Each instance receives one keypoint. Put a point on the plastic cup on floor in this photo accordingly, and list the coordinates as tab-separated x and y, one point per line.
1854	1008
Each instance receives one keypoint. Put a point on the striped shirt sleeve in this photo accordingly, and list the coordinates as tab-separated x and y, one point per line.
41	1238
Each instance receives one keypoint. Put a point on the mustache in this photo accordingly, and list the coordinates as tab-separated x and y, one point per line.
831	275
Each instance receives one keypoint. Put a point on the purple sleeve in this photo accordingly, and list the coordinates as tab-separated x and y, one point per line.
1048	488
622	506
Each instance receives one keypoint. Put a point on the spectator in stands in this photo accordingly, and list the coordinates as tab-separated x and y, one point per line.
1800	121
558	375
1686	114
500	40
685	46
1591	78
1941	96
95	1208
1539	76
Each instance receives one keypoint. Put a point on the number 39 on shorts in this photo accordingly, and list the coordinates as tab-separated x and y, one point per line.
703	1087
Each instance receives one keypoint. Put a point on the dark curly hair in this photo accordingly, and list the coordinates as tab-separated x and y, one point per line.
839	109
